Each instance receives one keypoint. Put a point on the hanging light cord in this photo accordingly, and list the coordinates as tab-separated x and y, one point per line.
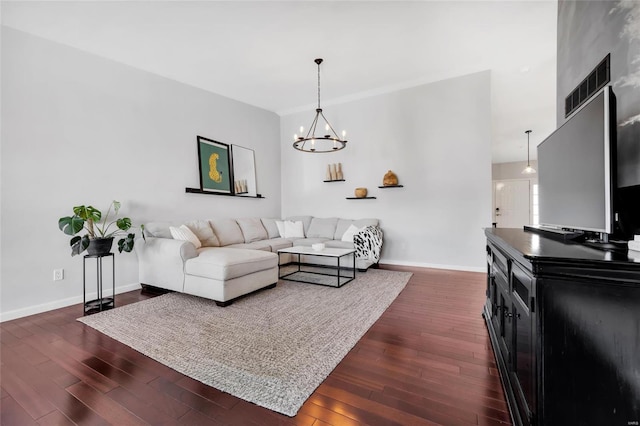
528	132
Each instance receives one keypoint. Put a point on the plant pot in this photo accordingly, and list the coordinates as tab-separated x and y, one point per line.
100	246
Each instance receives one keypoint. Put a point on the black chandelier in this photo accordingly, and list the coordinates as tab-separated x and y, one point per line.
329	142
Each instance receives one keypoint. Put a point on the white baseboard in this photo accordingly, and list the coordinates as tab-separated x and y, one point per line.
32	310
434	265
62	303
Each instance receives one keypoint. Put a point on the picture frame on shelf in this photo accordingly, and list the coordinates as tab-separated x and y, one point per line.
243	165
214	163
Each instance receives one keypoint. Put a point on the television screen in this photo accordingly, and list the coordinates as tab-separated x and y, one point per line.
575	169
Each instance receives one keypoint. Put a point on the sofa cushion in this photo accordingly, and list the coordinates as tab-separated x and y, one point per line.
307	242
256	245
279	243
343	224
183	233
252	229
322	228
222	263
306	221
203	231
227	231
339	244
270	226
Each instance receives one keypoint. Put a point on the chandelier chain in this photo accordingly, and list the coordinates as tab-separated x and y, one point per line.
318	85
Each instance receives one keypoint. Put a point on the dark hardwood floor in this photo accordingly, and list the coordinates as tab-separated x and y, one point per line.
426	361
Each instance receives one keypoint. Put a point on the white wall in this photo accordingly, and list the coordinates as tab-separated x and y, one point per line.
79	129
513	170
436	138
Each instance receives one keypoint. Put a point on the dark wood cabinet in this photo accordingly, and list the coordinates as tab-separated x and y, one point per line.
564	323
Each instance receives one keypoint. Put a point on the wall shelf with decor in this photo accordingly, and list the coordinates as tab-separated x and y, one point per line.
334	180
361	198
200	191
392	186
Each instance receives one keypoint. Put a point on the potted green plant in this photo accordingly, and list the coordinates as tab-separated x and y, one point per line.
100	233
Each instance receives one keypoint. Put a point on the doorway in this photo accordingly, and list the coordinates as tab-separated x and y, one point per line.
512	203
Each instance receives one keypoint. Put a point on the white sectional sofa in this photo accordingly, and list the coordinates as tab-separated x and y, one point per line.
237	257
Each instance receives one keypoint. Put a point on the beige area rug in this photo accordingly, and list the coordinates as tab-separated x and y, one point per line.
272	348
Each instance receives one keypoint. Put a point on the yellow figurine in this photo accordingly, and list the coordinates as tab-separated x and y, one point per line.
214	174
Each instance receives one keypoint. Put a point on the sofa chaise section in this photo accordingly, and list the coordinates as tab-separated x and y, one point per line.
224	274
218	273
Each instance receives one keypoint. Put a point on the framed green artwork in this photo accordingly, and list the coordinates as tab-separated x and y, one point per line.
215	166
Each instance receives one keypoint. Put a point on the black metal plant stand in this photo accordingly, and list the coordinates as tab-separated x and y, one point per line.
100	303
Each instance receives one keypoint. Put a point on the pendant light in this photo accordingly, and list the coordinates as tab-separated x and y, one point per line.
329	141
528	170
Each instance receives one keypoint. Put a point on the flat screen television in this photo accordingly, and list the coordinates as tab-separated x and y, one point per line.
576	169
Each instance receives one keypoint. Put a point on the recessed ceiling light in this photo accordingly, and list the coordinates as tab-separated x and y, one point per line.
524	70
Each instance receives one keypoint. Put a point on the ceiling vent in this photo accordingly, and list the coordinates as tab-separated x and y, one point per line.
596	80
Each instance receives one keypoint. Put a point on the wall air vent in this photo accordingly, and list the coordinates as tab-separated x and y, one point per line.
595	81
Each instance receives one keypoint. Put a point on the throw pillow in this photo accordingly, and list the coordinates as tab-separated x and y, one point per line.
349	233
280	225
183	233
293	229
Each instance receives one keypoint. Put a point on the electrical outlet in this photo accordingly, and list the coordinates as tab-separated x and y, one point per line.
58	274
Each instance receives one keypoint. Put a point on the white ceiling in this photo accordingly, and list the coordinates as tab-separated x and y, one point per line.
262	52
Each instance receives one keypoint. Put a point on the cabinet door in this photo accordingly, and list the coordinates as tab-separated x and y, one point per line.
492	299
522	371
502	319
591	352
492	291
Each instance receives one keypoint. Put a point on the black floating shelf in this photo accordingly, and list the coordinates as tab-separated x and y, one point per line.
361	198
392	186
334	180
200	191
